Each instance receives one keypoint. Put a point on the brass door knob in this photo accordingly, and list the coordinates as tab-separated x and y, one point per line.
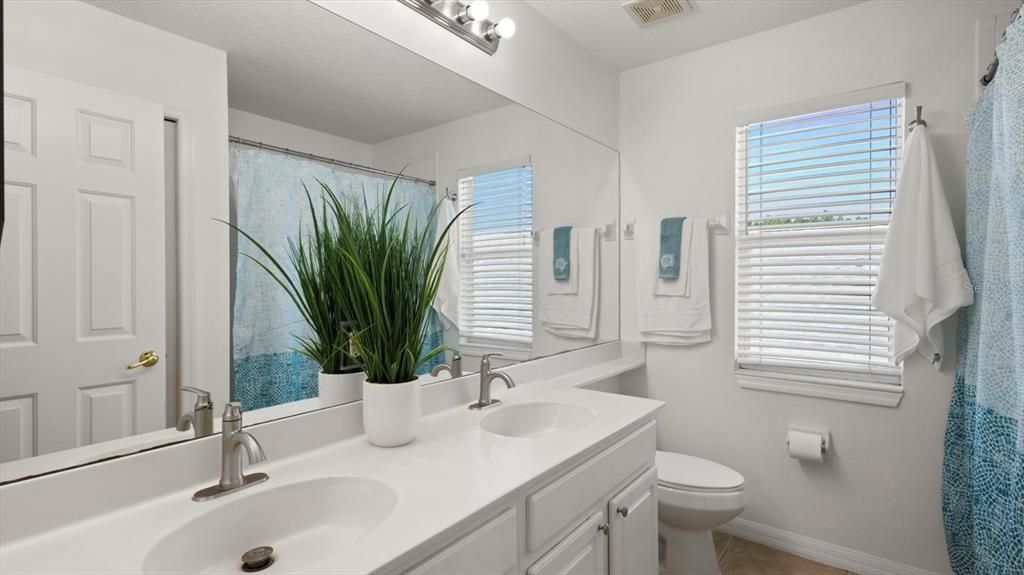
148	358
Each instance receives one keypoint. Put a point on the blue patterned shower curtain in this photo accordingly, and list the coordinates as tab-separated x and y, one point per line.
270	203
983	479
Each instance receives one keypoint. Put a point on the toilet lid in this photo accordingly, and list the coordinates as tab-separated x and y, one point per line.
686	471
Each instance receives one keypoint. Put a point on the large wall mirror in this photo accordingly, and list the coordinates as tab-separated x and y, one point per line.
123	299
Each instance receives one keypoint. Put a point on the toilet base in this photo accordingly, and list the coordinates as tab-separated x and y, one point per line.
688	552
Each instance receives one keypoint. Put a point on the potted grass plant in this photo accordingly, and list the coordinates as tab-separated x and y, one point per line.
311	282
391	269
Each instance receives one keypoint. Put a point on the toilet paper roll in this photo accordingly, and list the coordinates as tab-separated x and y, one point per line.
805	445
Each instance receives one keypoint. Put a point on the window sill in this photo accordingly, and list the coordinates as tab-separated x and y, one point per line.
840	392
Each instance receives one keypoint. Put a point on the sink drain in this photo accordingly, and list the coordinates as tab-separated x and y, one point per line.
257	559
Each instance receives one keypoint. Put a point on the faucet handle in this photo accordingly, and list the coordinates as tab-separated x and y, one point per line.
202	397
232	411
485	359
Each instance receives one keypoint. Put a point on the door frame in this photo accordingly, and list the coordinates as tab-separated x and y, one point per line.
186	257
187	261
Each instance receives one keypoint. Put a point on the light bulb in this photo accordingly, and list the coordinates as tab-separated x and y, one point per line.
478	10
505	28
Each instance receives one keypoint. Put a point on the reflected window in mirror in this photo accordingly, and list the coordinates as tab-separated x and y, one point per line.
496	257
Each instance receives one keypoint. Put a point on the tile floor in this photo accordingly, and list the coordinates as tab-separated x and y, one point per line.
741	557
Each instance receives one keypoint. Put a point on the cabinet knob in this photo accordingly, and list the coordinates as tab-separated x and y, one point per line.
623	511
603	528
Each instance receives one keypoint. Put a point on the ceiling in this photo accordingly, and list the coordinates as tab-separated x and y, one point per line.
607	31
298	63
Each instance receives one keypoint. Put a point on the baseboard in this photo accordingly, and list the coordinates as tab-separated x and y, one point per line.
817	550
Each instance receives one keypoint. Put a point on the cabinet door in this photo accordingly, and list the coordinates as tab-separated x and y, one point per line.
489	550
582	552
633	514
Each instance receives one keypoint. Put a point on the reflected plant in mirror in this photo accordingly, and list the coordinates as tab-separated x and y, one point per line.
365	280
313	284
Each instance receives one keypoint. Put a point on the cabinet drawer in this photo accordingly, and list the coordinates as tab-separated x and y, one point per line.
488	550
554	507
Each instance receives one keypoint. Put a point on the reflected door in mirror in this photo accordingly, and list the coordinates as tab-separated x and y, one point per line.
82	266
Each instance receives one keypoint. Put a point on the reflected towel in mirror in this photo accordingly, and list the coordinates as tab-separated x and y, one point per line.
571	314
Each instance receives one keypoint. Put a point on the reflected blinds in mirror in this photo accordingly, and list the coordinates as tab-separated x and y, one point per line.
496	257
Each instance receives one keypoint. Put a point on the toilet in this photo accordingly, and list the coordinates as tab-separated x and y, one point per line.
694	496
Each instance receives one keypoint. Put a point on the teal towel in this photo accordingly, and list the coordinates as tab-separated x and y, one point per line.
671	241
562	261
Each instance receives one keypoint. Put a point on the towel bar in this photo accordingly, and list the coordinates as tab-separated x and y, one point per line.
607	232
718	224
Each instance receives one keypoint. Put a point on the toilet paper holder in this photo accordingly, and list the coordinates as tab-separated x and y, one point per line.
826	437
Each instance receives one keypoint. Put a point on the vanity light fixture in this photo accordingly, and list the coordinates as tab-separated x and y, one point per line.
505	28
466	19
473	11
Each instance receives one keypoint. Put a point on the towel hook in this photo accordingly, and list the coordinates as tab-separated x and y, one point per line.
917	121
608	231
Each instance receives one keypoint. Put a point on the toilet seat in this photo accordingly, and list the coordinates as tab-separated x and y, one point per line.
677	471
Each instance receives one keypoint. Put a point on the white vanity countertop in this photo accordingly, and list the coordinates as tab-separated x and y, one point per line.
452	470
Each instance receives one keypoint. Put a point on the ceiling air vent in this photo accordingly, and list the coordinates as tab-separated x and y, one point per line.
645	12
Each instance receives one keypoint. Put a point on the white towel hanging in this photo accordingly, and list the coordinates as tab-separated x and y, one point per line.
672	320
921	280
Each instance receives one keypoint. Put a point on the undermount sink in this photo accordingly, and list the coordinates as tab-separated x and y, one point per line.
301	521
536	419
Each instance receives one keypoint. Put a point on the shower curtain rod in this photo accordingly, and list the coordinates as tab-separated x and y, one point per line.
326	160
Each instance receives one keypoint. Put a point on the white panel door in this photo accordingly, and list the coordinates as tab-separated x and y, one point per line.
582	552
633	513
82	264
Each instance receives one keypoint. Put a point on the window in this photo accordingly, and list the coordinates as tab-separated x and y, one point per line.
496	257
814	195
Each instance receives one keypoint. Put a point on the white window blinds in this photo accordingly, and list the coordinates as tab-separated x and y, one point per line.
496	257
814	195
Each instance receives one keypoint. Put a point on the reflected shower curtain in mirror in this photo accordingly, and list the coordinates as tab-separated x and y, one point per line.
269	202
983	479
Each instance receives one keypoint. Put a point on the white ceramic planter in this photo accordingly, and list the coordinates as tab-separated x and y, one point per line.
338	388
391	412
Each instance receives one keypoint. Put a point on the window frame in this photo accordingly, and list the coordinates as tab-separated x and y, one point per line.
807	381
468	342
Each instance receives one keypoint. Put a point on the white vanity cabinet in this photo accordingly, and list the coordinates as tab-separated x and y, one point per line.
596	518
583	552
488	550
621	541
633	527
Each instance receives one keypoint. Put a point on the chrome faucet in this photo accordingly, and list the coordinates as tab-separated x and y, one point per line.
200	420
486	377
454	368
233	441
